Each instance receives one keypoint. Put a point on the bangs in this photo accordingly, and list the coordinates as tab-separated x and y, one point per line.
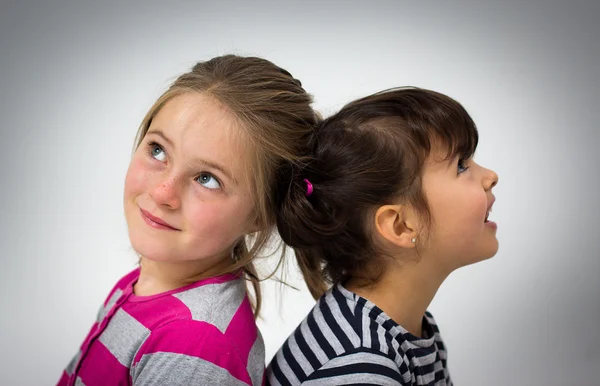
459	136
423	117
439	120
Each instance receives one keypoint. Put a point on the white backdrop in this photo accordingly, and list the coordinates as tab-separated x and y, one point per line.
76	79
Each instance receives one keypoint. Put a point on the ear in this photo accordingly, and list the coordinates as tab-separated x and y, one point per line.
253	228
395	224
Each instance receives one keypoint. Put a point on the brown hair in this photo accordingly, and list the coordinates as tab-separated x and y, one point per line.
275	113
370	153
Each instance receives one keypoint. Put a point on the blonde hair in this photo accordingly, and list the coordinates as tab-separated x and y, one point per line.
276	114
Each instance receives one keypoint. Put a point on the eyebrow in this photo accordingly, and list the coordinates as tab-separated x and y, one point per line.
202	161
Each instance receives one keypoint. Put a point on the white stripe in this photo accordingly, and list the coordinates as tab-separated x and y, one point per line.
384	347
361	357
285	369
366	330
346	379
299	356
327	333
312	343
336	311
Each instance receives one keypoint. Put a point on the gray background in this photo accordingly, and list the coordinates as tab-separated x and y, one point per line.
76	80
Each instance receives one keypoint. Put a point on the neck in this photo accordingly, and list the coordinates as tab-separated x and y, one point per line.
161	276
404	292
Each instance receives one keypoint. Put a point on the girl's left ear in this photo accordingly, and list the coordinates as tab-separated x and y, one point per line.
394	224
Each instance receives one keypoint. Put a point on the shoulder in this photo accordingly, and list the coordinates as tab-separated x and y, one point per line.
123	283
186	352
127	280
122	286
359	366
217	302
329	331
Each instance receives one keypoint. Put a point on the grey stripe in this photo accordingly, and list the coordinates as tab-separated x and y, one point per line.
299	355
201	302
326	331
428	359
286	369
79	382
123	336
256	361
381	334
71	366
172	369
430	377
361	357
111	302
401	358
312	343
366	330
347	379
336	311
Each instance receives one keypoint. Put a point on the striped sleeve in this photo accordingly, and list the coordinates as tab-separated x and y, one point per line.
188	352
362	367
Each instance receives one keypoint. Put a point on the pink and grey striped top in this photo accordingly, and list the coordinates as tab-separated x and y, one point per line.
201	334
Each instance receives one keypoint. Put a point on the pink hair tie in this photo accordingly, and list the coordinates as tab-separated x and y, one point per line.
309	188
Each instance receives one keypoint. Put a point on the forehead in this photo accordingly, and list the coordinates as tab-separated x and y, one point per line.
201	127
195	115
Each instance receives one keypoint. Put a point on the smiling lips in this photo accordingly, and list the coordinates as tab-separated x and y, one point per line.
156	222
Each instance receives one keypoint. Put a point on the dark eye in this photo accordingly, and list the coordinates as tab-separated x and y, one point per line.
461	166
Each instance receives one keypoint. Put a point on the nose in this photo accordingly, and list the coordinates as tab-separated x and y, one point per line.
490	179
166	193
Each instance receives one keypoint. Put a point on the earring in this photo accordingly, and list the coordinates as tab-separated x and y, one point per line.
413	240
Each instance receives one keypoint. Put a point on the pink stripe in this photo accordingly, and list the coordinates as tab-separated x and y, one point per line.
197	339
242	330
100	367
64	380
124	283
211	280
168	308
91	334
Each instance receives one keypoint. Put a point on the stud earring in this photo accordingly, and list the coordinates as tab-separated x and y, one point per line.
413	240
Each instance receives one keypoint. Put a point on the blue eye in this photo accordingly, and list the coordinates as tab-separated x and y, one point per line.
461	166
157	152
208	181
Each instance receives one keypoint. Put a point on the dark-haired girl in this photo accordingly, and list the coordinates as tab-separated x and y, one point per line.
389	204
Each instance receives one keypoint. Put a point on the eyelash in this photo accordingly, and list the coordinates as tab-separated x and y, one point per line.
461	165
153	144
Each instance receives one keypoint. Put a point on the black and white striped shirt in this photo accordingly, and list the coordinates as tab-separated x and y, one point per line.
348	340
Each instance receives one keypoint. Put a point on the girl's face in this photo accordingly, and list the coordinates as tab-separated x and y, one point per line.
459	193
187	196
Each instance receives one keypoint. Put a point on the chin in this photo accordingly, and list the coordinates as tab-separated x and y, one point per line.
152	248
482	255
489	253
